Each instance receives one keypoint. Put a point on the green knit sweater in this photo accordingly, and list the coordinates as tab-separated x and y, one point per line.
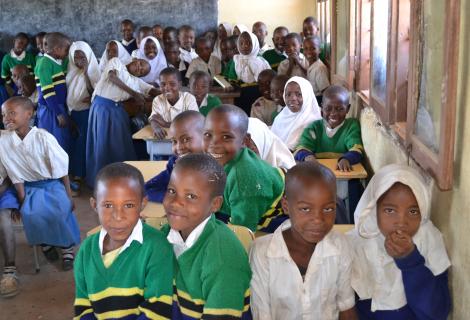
212	102
9	62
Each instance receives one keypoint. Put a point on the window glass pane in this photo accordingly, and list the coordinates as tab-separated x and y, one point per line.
379	59
428	118
342	31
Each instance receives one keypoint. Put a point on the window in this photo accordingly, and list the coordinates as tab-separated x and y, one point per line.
324	20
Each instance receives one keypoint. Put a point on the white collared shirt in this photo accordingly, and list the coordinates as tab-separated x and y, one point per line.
179	245
18	57
126	43
136	235
161	106
331	132
213	67
317	74
188	56
296	71
278	290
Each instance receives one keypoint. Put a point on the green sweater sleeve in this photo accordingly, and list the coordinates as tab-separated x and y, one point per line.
230	72
82	305
309	137
6	74
353	138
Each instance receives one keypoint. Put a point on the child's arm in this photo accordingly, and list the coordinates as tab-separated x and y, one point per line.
156	120
6	74
353	142
260	304
305	150
20	192
114	79
156	187
83	309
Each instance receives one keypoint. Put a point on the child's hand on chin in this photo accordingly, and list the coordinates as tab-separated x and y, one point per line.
399	244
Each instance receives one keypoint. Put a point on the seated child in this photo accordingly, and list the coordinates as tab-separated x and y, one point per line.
42	185
205	61
151	51
170	35
27	88
172	101
268	146
126	269
212	271
302	109
317	72
127	31
311	28
185	134
199	86
212	36
254	189
264	106
157	32
277	55
400	262
114	49
186	40
172	54
17	72
260	30
277	93
224	30
303	270
296	64
40	44
144	32
109	134
228	49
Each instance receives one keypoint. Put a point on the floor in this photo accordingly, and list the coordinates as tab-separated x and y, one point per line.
50	293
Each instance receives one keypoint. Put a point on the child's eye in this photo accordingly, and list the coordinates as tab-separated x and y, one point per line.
170	191
305	209
207	135
329	210
186	140
226	137
108	205
414	212
389	210
129	205
191	196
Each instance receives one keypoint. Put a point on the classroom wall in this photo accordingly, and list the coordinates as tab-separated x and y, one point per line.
274	13
450	210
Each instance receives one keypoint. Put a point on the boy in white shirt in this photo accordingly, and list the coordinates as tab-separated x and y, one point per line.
261	31
317	72
264	106
205	61
296	64
186	39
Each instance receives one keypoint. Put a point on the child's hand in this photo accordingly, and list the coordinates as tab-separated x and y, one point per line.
159	133
139	99
87	100
310	158
62	120
344	165
399	244
15	215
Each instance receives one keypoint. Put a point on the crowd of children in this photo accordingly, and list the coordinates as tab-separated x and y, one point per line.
252	164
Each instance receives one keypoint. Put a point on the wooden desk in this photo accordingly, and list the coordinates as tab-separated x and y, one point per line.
358	170
227	97
154	146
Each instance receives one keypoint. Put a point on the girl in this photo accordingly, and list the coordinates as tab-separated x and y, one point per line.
114	49
152	52
302	109
82	76
223	32
400	262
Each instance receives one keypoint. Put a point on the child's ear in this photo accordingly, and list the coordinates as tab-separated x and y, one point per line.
144	202
217	203
93	204
247	140
285	207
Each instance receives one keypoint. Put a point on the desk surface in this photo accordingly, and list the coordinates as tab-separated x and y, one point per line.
358	170
146	133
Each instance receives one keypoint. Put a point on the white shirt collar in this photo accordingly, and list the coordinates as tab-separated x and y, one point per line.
58	61
331	132
18	57
126	43
179	245
136	234
204	101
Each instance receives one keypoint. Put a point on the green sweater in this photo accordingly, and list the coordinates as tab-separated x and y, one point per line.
9	62
229	71
138	283
274	58
253	191
212	102
213	276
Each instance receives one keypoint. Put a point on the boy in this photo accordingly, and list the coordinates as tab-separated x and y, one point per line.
40	44
157	31
303	270
17	72
186	40
261	32
277	55
277	93
126	270
42	185
264	106
127	31
172	55
311	29
228	49
170	34
213	274
205	61
52	114
254	188
199	86
296	64
185	134
317	72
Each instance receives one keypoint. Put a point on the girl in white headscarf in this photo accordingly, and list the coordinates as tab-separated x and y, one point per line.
114	49
291	121
238	29
400	262
151	51
248	65
223	32
268	146
82	76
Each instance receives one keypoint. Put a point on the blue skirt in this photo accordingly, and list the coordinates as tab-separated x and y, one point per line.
9	200
47	215
47	119
77	166
109	137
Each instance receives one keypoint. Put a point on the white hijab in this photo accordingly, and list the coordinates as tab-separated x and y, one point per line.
375	275
228	28
123	55
75	80
157	64
271	148
248	67
241	27
288	126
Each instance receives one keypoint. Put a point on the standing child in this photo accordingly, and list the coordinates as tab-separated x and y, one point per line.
264	106
170	103
252	196
317	72
157	32
303	270
42	185
260	30
205	61
277	93
277	55
213	274
296	64
127	31
17	72
114	49
186	38
400	261
151	51
172	54
170	35
311	28
126	269
224	31
40	44
302	109
199	86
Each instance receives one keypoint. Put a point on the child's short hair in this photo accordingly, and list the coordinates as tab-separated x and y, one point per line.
185	28
267	73
281	78
144	29
40	34
157	26
56	40
171	71
120	170
127	21
203	40
196	75
28	80
312	20
294	35
242	118
207	165
315	39
190	115
25	103
21	35
312	172
170	29
335	90
280	28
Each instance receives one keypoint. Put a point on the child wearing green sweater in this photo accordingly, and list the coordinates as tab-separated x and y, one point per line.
199	86
125	271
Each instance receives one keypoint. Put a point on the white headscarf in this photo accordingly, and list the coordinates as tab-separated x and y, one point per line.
248	67
271	148
241	27
123	55
228	29
157	64
288	126
75	80
375	275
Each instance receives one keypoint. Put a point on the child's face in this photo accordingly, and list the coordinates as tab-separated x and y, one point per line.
334	110
15	116
278	39
79	58
231	50
170	87
309	29
118	203
150	49
221	32
245	44
186	137
143	34
398	210
222	138
188	200
294	98
18	71
138	67
204	50
40	44
264	84
292	46
158	32
172	54
25	88
127	31
311	50
20	45
112	50
168	37
186	39
236	31
260	32
61	52
223	51
199	88
44	44
277	92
